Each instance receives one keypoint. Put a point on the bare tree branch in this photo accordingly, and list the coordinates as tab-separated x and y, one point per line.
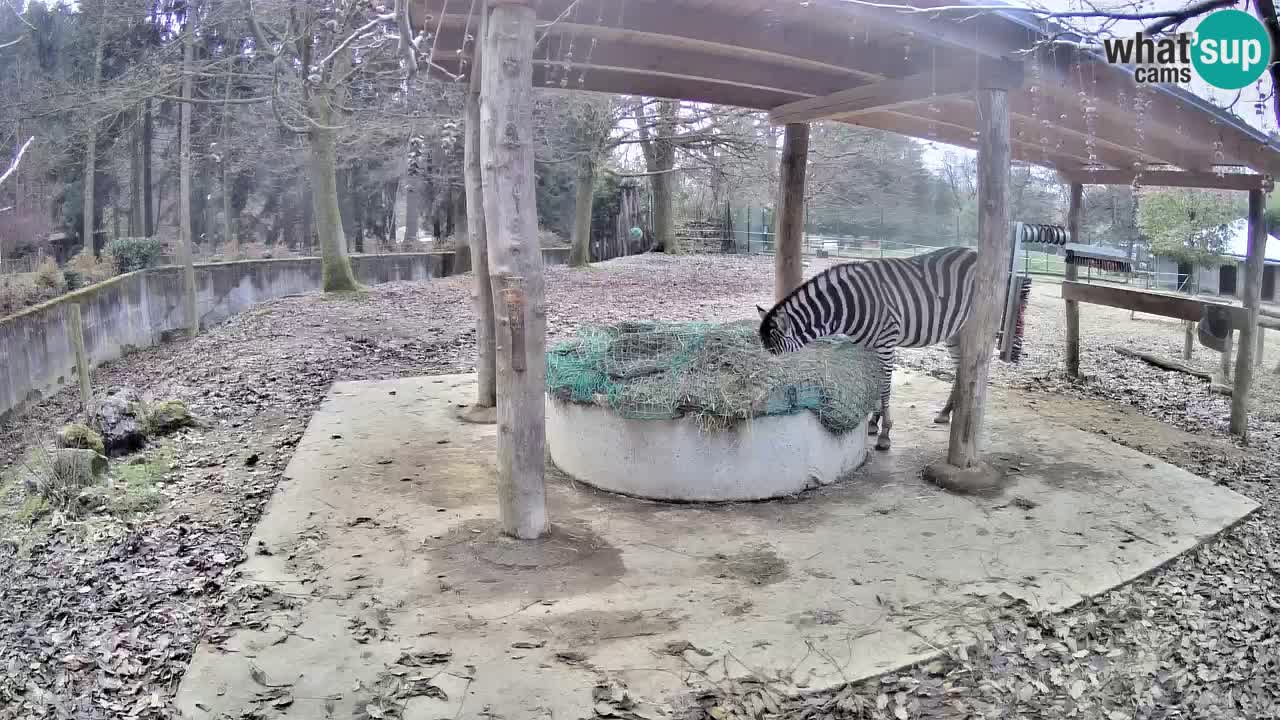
17	159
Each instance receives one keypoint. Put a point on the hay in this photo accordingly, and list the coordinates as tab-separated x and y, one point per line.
720	375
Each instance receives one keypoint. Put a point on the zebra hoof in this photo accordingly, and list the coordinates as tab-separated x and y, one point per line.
873	428
882	442
941	419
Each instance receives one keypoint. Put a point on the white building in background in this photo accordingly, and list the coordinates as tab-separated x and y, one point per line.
1228	278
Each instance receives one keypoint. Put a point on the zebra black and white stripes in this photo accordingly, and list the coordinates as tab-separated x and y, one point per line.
881	305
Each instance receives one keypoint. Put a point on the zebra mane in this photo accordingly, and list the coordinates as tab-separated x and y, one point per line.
813	280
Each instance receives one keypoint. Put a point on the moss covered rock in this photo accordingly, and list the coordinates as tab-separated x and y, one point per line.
168	416
81	437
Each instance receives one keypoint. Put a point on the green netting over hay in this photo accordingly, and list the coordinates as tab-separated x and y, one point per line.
718	374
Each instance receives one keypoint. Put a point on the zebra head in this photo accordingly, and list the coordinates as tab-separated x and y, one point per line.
777	332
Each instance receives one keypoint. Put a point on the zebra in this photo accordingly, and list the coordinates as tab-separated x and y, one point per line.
882	305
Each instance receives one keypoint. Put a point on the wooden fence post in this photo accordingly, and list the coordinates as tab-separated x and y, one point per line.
75	329
511	223
789	224
1252	297
1072	273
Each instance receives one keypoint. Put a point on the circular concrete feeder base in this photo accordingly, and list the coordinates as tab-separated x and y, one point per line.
674	460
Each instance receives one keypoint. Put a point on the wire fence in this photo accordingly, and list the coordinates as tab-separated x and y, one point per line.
1033	262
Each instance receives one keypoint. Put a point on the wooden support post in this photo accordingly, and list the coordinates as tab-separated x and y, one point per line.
1074	210
979	332
1252	298
515	265
481	289
789	224
75	331
1262	341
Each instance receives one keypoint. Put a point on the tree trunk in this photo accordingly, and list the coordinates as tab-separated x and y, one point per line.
1188	339
148	207
506	146
979	332
328	218
659	156
228	225
91	142
580	250
1074	209
412	207
185	241
482	288
788	272
307	243
137	225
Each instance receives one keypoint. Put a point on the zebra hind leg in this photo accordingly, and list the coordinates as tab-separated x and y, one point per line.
953	348
873	425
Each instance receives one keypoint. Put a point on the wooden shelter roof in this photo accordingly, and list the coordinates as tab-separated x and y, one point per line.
855	62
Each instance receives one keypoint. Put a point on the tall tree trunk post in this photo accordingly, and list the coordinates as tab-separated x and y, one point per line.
788	270
482	296
1188	339
137	225
1074	209
963	470
148	212
91	142
186	242
584	196
506	148
1252	298
228	235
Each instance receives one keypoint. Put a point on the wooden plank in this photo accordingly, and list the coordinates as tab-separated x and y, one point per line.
951	133
75	330
979	332
1252	298
1167	178
788	271
1179	307
801	47
515	265
900	91
1107	131
1074	210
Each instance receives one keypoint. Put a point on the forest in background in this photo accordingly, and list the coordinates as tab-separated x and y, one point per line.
282	93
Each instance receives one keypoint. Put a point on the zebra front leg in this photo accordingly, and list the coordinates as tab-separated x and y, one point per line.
886	421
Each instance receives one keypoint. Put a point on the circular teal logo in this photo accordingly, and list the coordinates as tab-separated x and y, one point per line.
1232	49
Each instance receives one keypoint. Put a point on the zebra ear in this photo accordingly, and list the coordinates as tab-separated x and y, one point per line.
762	311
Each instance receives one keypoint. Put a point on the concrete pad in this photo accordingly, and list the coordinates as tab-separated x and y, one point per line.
769	457
382	541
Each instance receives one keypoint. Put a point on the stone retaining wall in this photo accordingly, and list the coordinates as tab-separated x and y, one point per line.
139	309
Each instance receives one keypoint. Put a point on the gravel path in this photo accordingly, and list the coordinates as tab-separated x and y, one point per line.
100	622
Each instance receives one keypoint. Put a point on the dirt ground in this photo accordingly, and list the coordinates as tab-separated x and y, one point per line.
99	620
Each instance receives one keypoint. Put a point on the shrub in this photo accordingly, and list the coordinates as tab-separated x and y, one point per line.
86	270
49	277
79	435
134	253
17	292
